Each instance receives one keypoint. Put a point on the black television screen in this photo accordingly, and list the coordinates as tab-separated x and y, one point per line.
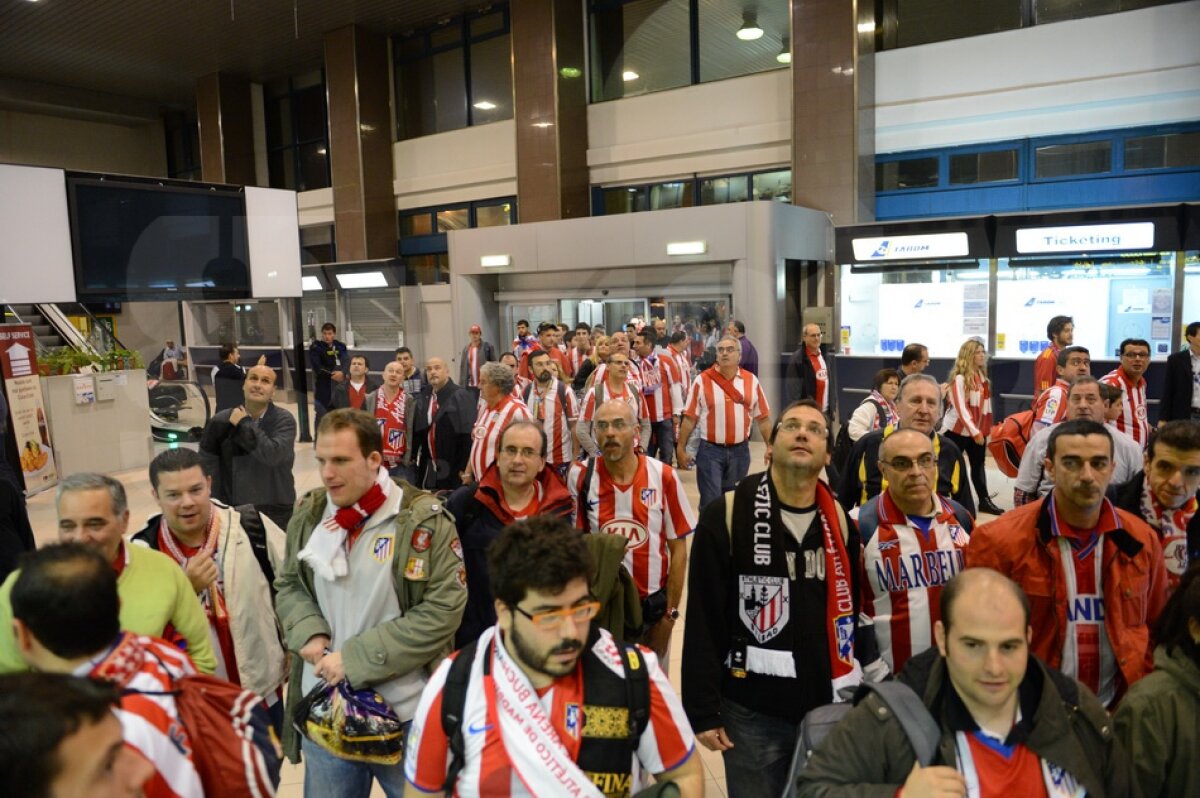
147	240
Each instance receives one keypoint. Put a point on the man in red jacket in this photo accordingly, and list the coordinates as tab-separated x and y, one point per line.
1094	574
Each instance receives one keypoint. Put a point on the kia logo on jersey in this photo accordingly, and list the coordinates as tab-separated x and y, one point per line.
634	533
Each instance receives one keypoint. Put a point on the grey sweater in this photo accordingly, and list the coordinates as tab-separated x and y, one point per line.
252	462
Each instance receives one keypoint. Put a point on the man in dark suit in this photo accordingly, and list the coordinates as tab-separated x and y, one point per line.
1181	394
810	373
442	422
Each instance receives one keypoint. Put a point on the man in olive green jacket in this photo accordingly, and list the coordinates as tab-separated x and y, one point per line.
372	591
987	693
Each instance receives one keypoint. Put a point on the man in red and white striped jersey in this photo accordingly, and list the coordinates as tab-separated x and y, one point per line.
527	682
553	406
617	383
497	408
1050	406
1135	359
65	609
914	542
619	345
662	387
643	499
677	347
548	343
581	347
722	401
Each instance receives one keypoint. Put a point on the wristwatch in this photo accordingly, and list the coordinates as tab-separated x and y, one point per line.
672	614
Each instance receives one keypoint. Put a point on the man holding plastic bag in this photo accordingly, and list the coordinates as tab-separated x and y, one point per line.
369	598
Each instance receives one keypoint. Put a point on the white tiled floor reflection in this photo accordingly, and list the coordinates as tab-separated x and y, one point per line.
142	506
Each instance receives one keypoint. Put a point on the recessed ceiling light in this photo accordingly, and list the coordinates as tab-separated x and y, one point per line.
785	51
749	30
485	105
629	75
310	283
362	280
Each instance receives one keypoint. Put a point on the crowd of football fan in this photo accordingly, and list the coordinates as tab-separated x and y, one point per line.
488	580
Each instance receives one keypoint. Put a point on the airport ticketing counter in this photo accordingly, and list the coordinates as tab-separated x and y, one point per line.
1119	273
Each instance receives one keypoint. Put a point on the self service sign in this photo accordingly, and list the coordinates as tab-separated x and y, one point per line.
1086	238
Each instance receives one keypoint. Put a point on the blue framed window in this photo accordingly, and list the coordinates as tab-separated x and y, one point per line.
297	132
739	187
423	230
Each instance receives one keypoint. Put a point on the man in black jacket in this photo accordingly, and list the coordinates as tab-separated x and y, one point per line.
1166	494
810	373
229	376
772	608
441	425
328	359
518	485
1181	393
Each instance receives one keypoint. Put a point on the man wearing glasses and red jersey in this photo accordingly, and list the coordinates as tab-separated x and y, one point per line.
505	715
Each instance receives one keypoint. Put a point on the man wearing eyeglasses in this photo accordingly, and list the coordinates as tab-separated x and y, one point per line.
1135	359
918	406
773	606
545	702
642	499
914	542
1094	573
615	384
518	485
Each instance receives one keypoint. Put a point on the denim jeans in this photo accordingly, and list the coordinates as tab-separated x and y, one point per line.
406	473
326	776
662	441
719	468
761	756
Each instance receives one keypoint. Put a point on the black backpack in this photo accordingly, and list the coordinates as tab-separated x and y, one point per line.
923	731
454	698
843	446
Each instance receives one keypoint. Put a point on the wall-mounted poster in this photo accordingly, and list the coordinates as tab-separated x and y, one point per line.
22	386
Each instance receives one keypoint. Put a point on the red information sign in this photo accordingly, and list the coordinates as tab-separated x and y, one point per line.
18	363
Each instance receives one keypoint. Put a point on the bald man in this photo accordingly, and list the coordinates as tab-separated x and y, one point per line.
249	450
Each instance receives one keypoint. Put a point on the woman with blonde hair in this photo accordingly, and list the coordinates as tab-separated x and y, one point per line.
602	345
968	418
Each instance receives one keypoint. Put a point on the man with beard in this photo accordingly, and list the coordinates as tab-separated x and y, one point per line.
1094	574
506	715
518	485
553	406
441	429
626	493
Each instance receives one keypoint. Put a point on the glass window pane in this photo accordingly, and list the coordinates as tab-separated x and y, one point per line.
1118	298
717	190
310	114
282	168
910	173
671	195
924	21
279	122
640	47
1059	10
946	306
491	80
453	219
427	269
724	54
983	167
773	185
493	215
1165	151
416	224
314	167
487	23
1060	160
431	95
447	36
626	199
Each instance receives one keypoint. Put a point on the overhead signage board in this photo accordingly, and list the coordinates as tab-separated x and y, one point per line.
1086	238
928	246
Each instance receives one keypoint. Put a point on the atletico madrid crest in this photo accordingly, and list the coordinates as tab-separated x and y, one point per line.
764	605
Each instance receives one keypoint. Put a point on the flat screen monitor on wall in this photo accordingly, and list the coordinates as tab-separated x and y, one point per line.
149	240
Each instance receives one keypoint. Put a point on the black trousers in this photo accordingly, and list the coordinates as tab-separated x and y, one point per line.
976	454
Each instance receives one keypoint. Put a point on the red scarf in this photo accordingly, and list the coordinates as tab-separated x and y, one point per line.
725	385
213	596
353	517
392	426
839	595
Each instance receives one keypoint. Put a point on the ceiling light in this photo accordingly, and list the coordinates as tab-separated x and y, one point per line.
570	72
495	260
866	27
749	30
362	280
687	247
629	75
310	283
785	51
543	125
485	105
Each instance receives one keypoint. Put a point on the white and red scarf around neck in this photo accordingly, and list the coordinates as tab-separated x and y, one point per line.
325	551
393	425
1172	526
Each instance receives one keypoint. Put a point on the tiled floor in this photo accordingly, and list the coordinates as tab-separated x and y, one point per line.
141	505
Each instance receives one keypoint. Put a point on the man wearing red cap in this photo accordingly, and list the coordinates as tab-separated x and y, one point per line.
474	355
